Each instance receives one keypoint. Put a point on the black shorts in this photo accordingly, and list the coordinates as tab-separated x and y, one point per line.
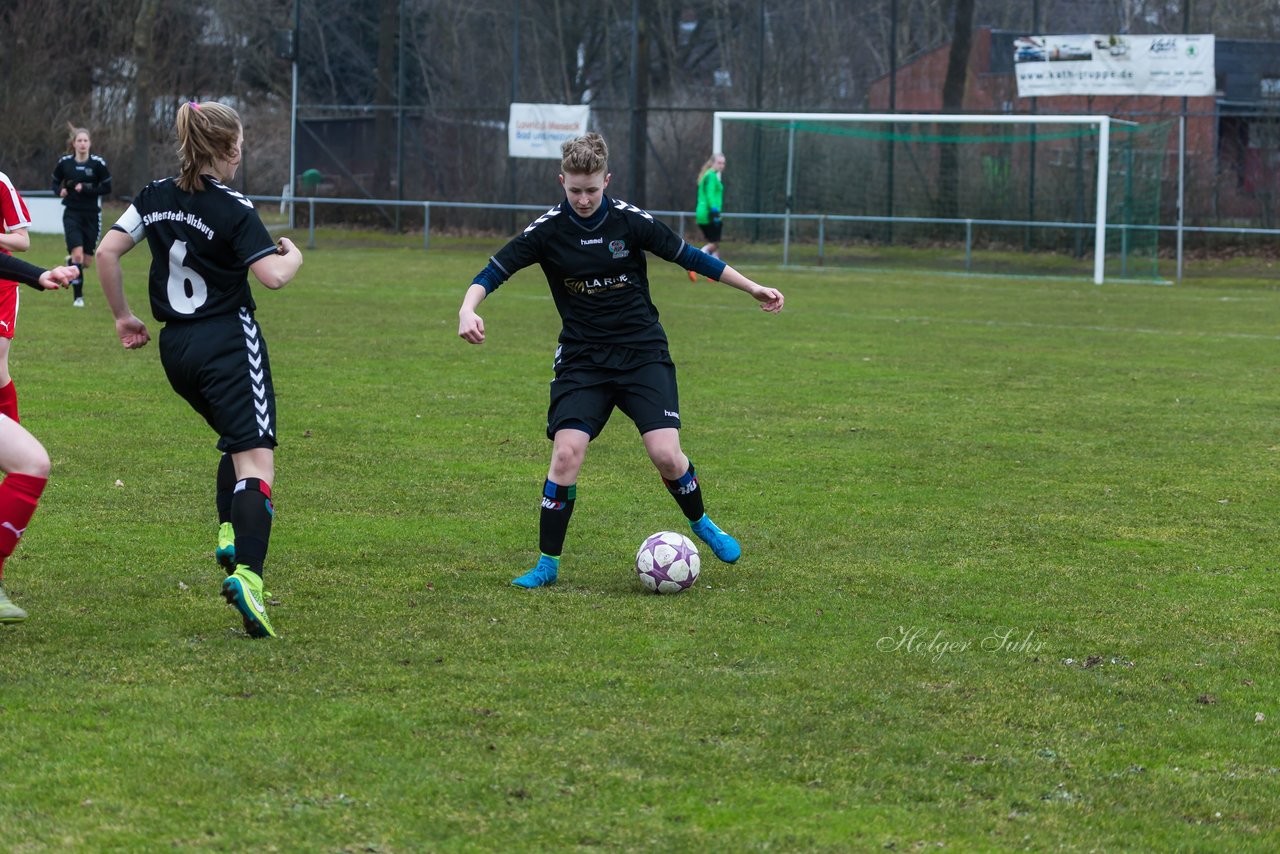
219	365
711	231
82	229
586	390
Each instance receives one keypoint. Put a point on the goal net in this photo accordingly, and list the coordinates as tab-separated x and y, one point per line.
1027	194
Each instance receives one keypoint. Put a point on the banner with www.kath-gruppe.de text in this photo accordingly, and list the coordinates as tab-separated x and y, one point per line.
1114	65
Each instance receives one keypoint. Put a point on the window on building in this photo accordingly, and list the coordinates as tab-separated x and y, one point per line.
1271	87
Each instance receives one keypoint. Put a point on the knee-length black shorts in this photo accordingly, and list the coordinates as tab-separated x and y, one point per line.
584	395
82	229
219	365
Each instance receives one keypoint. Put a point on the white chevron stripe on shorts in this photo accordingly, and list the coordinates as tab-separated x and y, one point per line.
257	376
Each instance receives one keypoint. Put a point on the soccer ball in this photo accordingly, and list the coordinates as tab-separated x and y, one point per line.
668	563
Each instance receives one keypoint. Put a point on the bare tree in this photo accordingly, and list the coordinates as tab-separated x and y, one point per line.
952	102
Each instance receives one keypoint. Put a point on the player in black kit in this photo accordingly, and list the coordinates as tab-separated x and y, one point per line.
81	179
204	238
612	350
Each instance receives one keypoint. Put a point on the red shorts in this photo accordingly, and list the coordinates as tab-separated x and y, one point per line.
8	308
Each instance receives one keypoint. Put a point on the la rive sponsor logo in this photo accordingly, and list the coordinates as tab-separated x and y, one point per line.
619	248
595	286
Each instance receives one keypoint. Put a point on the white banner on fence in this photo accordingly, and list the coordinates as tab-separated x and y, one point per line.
536	130
1113	65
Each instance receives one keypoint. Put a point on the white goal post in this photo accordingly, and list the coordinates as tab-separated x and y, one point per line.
1103	124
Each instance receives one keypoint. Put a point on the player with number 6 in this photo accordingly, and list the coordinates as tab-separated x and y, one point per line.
205	237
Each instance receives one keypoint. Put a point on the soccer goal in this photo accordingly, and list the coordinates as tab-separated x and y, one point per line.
1063	184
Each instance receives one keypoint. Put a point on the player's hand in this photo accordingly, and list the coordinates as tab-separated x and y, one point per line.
133	332
284	246
53	279
470	327
63	192
770	299
79	188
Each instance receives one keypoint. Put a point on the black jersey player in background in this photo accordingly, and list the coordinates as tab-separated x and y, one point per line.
81	179
612	350
204	239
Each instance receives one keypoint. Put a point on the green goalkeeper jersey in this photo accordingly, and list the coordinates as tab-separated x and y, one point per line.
710	197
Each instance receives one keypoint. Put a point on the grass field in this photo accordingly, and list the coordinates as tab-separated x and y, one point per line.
1009	579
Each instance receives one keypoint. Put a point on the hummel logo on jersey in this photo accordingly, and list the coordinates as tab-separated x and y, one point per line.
670	414
591	241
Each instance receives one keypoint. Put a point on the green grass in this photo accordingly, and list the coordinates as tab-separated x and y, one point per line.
1009	578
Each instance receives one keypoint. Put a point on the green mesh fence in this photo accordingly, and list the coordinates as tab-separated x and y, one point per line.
1037	183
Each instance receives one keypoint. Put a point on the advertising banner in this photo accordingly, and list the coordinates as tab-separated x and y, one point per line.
1114	65
536	130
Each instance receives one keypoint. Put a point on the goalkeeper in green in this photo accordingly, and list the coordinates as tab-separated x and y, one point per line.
710	203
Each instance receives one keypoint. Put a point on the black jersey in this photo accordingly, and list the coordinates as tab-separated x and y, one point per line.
597	273
201	247
94	179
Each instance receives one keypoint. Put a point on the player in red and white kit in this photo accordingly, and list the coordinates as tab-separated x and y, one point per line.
23	459
13	238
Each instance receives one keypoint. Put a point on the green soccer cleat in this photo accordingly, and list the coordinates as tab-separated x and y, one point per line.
225	553
9	612
243	591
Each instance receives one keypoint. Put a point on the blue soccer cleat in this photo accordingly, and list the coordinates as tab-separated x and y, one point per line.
724	547
542	574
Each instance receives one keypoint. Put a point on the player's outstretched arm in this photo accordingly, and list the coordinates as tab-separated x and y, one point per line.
132	331
470	324
37	277
275	271
58	277
770	299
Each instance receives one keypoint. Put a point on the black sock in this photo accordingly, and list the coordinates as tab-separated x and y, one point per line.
687	493
77	283
251	513
553	524
226	485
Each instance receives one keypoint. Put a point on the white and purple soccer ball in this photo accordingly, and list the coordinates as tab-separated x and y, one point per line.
668	563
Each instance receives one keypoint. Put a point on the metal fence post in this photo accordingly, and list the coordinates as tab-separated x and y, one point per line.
968	245
822	240
426	225
311	223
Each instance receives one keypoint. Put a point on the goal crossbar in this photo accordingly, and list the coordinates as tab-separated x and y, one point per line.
1103	124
